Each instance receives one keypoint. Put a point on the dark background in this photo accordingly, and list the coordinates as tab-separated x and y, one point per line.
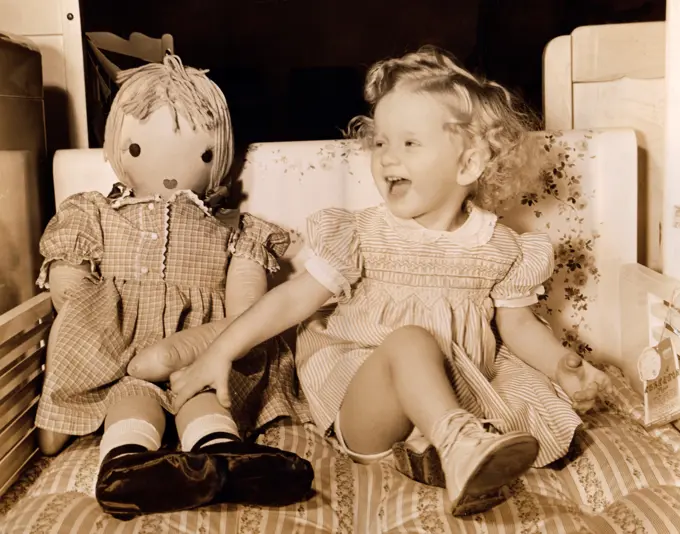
293	69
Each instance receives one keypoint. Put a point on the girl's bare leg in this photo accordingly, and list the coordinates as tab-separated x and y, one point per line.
403	383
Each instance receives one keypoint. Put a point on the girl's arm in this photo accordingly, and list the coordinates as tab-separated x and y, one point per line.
278	310
530	340
246	283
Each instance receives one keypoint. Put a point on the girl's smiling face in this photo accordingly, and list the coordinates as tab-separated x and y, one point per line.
417	161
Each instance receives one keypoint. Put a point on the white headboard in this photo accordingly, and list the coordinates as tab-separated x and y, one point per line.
81	169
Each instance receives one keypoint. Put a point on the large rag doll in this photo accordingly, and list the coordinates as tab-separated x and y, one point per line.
156	256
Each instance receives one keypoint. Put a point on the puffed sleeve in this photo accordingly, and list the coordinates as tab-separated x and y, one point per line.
332	253
260	241
74	234
532	267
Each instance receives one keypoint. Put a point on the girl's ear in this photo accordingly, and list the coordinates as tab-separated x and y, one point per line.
473	162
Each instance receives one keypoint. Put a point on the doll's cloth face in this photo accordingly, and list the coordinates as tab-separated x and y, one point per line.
159	160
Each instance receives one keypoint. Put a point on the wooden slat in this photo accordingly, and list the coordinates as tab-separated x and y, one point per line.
614	51
14	350
557	84
25	316
18	430
19	401
12	465
22	373
138	45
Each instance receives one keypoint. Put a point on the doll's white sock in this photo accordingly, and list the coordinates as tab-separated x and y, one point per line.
129	432
223	426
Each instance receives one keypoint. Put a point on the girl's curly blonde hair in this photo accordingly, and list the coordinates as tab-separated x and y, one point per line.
483	110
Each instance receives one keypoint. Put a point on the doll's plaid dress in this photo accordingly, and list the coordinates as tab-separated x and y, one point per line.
157	267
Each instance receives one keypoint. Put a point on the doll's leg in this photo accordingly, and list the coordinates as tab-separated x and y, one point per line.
203	421
133	424
49	441
214	467
133	429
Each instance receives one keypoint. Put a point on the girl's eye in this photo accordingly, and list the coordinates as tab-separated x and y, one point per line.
411	143
135	150
207	156
378	144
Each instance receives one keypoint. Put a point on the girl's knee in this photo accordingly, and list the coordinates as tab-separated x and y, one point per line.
413	342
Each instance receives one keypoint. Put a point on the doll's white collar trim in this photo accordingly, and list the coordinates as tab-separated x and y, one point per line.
127	199
477	230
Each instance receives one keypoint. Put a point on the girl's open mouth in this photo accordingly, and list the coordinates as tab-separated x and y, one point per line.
397	185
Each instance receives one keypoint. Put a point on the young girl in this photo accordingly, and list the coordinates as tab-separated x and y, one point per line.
420	279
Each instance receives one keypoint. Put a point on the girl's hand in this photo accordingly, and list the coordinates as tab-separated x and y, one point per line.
211	369
581	381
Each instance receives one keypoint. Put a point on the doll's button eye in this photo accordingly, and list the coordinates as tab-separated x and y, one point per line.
135	150
207	156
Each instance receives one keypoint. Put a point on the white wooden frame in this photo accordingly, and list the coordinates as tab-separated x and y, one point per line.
671	216
612	76
54	26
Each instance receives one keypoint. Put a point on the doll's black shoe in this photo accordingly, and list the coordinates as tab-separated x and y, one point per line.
258	474
235	472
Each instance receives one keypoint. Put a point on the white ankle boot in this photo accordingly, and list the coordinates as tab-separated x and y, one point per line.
478	465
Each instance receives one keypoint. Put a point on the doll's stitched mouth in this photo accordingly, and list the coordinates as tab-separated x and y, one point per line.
170	184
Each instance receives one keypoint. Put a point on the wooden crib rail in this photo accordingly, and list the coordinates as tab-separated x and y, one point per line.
23	338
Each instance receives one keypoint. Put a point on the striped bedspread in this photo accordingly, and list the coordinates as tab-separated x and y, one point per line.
618	479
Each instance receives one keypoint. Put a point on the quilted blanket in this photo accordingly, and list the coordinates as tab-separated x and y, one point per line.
618	478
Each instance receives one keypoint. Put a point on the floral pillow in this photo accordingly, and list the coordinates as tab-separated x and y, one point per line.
563	211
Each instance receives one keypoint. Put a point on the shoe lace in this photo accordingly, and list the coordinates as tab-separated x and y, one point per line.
448	429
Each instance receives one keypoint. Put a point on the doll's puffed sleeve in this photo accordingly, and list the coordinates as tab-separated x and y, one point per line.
260	241
532	267
332	254
73	235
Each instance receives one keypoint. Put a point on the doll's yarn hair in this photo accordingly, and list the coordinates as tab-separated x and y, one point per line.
482	110
186	91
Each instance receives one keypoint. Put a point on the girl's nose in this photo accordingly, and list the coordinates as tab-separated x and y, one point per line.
389	157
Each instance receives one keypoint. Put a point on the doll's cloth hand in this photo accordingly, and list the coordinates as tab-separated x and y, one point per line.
581	381
158	361
211	369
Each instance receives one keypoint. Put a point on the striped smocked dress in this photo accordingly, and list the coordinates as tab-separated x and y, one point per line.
158	267
389	272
